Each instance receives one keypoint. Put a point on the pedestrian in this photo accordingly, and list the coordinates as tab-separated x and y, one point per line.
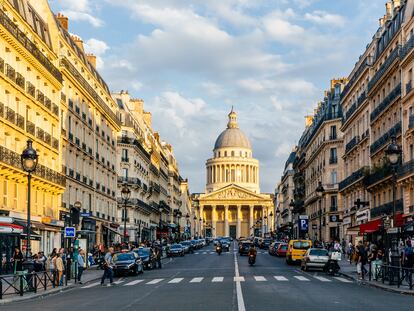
408	255
361	259
59	266
81	264
158	256
108	267
41	258
17	260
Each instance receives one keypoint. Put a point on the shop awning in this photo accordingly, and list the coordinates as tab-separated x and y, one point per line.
110	229
370	226
10	228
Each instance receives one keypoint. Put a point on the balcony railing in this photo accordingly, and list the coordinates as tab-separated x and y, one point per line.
354	177
407	47
386	102
406	169
124	159
30	89
352	143
379	143
11	27
378	175
55	143
10	73
20	121
354	78
408	87
30	128
384	67
20	80
386	209
411	121
40	97
333	160
137	143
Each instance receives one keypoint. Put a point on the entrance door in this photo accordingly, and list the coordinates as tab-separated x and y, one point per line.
233	231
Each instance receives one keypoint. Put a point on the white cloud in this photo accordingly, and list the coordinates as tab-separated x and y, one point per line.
325	18
97	48
80	10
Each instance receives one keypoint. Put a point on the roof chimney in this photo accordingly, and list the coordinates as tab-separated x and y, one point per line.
92	59
396	3
389	10
78	41
381	22
63	21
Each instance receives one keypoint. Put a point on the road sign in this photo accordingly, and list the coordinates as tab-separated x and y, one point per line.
70	232
88	214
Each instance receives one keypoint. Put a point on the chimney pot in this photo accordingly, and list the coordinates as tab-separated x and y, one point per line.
92	59
63	21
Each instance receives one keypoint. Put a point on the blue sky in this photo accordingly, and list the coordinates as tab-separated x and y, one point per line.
192	60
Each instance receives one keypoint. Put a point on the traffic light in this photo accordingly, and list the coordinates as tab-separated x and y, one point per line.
75	216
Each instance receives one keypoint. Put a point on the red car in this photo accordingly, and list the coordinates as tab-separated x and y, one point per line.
281	250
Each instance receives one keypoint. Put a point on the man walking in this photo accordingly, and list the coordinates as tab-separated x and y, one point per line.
108	267
81	264
158	255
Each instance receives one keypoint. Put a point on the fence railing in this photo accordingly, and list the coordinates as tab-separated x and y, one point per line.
20	284
393	275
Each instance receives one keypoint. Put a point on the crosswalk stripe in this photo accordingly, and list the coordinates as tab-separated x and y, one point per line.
197	253
342	279
119	282
280	278
155	281
260	279
196	280
217	279
204	253
176	280
91	285
133	283
321	278
300	278
239	279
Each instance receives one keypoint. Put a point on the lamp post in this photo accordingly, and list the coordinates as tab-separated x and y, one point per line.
277	218
271	221
291	208
139	231
29	159
267	223
187	219
160	208
179	215
319	192
194	230
393	153
125	194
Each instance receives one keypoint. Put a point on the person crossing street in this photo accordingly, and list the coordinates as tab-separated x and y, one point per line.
108	267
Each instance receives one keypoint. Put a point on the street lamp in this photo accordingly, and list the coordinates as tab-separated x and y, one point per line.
319	192
125	194
29	159
160	208
187	218
271	221
291	208
267	223
194	230
393	153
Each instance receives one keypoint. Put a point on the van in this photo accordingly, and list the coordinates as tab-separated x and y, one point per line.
296	250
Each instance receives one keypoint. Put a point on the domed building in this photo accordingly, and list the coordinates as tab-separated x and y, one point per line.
232	204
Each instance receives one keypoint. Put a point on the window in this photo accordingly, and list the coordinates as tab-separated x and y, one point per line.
124	154
333	132
333	156
411	152
334	203
125	172
232	153
333	177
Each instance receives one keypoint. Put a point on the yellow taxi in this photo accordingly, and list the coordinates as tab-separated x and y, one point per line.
296	250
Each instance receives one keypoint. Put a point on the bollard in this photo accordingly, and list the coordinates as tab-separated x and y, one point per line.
1	288
45	279
21	285
35	282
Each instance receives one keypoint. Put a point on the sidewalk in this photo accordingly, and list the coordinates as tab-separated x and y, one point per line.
349	270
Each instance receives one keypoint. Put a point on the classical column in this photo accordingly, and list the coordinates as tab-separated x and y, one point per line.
251	211
226	220
213	220
263	221
201	222
239	217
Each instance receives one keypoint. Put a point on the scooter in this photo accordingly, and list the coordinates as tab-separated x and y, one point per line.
332	266
252	260
218	249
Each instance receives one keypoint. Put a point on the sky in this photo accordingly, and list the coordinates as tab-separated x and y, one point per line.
191	61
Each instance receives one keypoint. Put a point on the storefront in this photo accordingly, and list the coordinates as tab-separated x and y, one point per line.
375	230
9	240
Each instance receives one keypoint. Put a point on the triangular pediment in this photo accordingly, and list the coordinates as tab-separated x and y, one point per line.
233	192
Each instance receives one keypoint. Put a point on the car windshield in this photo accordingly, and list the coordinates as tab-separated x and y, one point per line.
143	252
123	256
185	243
301	245
318	252
176	246
283	247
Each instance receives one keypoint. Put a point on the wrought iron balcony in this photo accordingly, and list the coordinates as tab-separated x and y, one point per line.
407	47
333	160
406	169
354	78
29	45
55	143
411	121
124	159
1	65
10	115
386	209
20	80
20	121
30	128
379	143
386	102
408	87
395	54
378	175
48	103
352	143
30	89
354	177
10	72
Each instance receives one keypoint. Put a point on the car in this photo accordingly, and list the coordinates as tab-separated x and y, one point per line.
315	258
127	263
296	250
225	244
175	250
281	250
273	248
147	256
257	241
188	246
216	240
194	244
265	243
244	247
185	246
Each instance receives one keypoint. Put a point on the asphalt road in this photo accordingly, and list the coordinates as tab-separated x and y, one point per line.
206	281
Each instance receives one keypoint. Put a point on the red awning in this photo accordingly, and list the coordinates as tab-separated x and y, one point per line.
375	225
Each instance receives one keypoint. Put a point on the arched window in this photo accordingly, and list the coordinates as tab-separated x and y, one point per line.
225	153
232	153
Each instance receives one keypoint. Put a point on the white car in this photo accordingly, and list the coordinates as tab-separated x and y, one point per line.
314	258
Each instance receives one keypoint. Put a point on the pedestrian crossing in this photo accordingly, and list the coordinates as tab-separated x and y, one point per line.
223	253
220	279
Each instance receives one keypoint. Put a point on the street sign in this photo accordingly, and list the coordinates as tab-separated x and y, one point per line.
393	230
303	217
314	226
87	214
70	232
303	225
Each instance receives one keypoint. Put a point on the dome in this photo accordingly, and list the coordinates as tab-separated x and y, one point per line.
232	136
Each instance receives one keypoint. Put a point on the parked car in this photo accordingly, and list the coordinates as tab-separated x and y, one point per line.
273	248
315	258
127	262
147	257
296	250
281	250
188	246
265	243
175	250
244	247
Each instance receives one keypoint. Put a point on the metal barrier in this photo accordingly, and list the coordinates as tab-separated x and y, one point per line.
19	284
393	275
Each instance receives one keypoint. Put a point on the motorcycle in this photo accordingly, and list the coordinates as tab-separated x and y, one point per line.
252	260
218	249
332	266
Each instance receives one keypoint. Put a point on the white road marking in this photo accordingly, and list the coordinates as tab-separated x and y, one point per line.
239	293
119	281
196	280
204	253
155	281
212	252
197	253
280	278
342	279
217	279
260	279
91	285
176	280
133	283
239	279
321	278
301	278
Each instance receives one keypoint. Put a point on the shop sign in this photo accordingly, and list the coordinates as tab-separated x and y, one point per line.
347	220
362	215
333	218
303	225
314	226
7	220
11	229
393	230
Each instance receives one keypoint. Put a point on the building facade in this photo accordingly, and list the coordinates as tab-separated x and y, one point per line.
232	204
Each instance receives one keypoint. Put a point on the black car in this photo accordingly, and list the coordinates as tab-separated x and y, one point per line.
126	263
175	250
265	243
225	245
147	257
244	248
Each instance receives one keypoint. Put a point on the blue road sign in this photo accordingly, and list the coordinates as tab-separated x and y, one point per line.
70	232
85	214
